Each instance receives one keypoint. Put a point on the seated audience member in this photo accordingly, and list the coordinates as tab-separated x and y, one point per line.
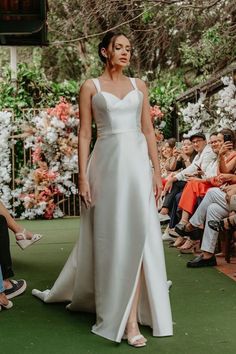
167	160
24	238
214	206
4	302
197	187
184	157
12	287
176	183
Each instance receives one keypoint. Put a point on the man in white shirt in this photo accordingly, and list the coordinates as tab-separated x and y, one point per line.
201	165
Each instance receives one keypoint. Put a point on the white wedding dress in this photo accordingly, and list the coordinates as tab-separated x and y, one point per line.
121	230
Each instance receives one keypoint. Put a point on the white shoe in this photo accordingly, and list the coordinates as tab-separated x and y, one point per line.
163	218
167	237
169	284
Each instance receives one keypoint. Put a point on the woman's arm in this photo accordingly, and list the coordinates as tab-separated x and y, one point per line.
225	167
84	138
148	131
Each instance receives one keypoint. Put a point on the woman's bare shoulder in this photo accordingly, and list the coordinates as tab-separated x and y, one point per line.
141	84
88	86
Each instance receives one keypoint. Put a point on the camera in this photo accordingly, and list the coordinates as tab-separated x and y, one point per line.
227	137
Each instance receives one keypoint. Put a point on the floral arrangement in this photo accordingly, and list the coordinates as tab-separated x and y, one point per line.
226	105
6	129
156	117
222	112
51	136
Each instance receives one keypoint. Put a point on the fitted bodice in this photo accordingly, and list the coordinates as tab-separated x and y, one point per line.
114	115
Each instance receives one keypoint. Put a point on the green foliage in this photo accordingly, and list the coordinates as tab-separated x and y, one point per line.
210	51
33	90
163	93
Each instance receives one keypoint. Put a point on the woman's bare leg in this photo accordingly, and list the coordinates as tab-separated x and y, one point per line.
132	328
185	217
12	224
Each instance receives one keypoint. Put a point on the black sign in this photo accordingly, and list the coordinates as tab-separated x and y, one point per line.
23	22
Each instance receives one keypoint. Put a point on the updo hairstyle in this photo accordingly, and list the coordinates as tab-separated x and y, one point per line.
109	37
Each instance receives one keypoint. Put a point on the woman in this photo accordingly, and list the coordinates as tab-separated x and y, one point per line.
182	160
117	269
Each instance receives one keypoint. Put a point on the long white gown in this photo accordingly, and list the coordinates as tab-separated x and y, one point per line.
121	230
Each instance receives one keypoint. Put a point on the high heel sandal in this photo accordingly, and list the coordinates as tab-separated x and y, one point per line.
179	241
131	340
190	246
23	241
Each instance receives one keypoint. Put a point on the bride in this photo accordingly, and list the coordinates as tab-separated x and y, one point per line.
117	267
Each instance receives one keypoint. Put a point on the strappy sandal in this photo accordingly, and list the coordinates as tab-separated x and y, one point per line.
189	246
179	241
132	340
24	242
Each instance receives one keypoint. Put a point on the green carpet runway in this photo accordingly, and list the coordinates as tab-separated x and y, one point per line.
203	305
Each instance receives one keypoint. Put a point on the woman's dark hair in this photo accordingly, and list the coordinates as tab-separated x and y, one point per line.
227	131
171	142
109	37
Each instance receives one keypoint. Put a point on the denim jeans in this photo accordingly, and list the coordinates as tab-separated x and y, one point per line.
1	281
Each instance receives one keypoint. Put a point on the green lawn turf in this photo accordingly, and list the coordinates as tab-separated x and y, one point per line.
203	305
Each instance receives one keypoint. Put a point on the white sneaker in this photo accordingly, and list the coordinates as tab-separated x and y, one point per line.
167	237
163	218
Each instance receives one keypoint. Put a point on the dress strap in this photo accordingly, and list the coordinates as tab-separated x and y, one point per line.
133	82
97	84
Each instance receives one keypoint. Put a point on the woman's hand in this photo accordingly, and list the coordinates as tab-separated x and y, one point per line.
157	187
225	177
176	152
168	185
84	192
228	145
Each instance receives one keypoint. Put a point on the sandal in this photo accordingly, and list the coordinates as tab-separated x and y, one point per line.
132	340
190	246
186	245
179	241
23	241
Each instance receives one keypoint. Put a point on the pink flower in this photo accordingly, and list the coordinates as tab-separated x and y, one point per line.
156	113
36	155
